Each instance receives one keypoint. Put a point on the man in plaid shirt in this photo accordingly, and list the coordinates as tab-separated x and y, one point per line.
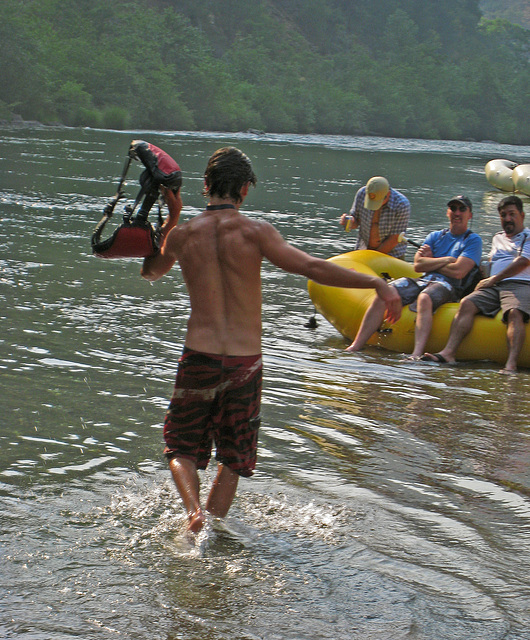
381	214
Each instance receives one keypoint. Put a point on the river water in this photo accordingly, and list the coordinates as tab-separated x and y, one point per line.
391	500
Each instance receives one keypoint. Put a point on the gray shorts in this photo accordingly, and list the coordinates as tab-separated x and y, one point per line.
508	295
410	288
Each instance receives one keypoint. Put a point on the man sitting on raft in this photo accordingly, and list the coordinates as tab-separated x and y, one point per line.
506	289
445	259
382	215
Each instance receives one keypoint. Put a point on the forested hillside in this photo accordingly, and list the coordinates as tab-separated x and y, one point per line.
516	11
411	68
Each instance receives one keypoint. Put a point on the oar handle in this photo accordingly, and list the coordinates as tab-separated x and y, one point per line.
403	238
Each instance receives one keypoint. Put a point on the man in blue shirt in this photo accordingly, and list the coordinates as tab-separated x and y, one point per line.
506	289
381	214
445	259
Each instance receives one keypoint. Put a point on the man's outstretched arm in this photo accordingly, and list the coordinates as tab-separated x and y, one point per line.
289	258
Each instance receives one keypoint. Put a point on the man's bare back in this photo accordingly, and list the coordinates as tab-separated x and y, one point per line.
219	255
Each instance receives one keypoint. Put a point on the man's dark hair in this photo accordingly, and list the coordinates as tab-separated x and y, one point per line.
227	171
508	200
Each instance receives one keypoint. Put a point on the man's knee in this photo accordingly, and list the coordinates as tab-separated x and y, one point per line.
515	317
467	308
424	303
377	305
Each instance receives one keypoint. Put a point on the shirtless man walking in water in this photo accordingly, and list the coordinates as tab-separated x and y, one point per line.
218	385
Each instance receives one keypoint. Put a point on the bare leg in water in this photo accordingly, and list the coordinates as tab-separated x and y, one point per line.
221	496
370	324
422	329
515	334
460	327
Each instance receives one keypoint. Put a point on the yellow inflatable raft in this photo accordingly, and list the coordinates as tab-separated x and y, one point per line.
345	308
508	176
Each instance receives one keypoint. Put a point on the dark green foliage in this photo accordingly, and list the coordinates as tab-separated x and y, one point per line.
516	11
412	68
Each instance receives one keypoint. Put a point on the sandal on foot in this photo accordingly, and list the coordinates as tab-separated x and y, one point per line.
437	358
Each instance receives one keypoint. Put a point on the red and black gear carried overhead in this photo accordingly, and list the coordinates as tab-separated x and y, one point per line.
136	237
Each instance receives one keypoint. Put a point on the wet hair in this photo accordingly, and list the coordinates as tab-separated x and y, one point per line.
228	170
515	200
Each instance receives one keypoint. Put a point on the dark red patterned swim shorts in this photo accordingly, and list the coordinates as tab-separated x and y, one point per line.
216	399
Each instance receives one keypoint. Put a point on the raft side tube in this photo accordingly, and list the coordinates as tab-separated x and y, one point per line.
499	174
521	178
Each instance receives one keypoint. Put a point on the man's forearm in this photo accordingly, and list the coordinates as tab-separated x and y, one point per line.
518	265
174	209
388	243
432	264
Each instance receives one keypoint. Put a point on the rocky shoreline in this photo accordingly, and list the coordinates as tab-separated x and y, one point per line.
18	122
